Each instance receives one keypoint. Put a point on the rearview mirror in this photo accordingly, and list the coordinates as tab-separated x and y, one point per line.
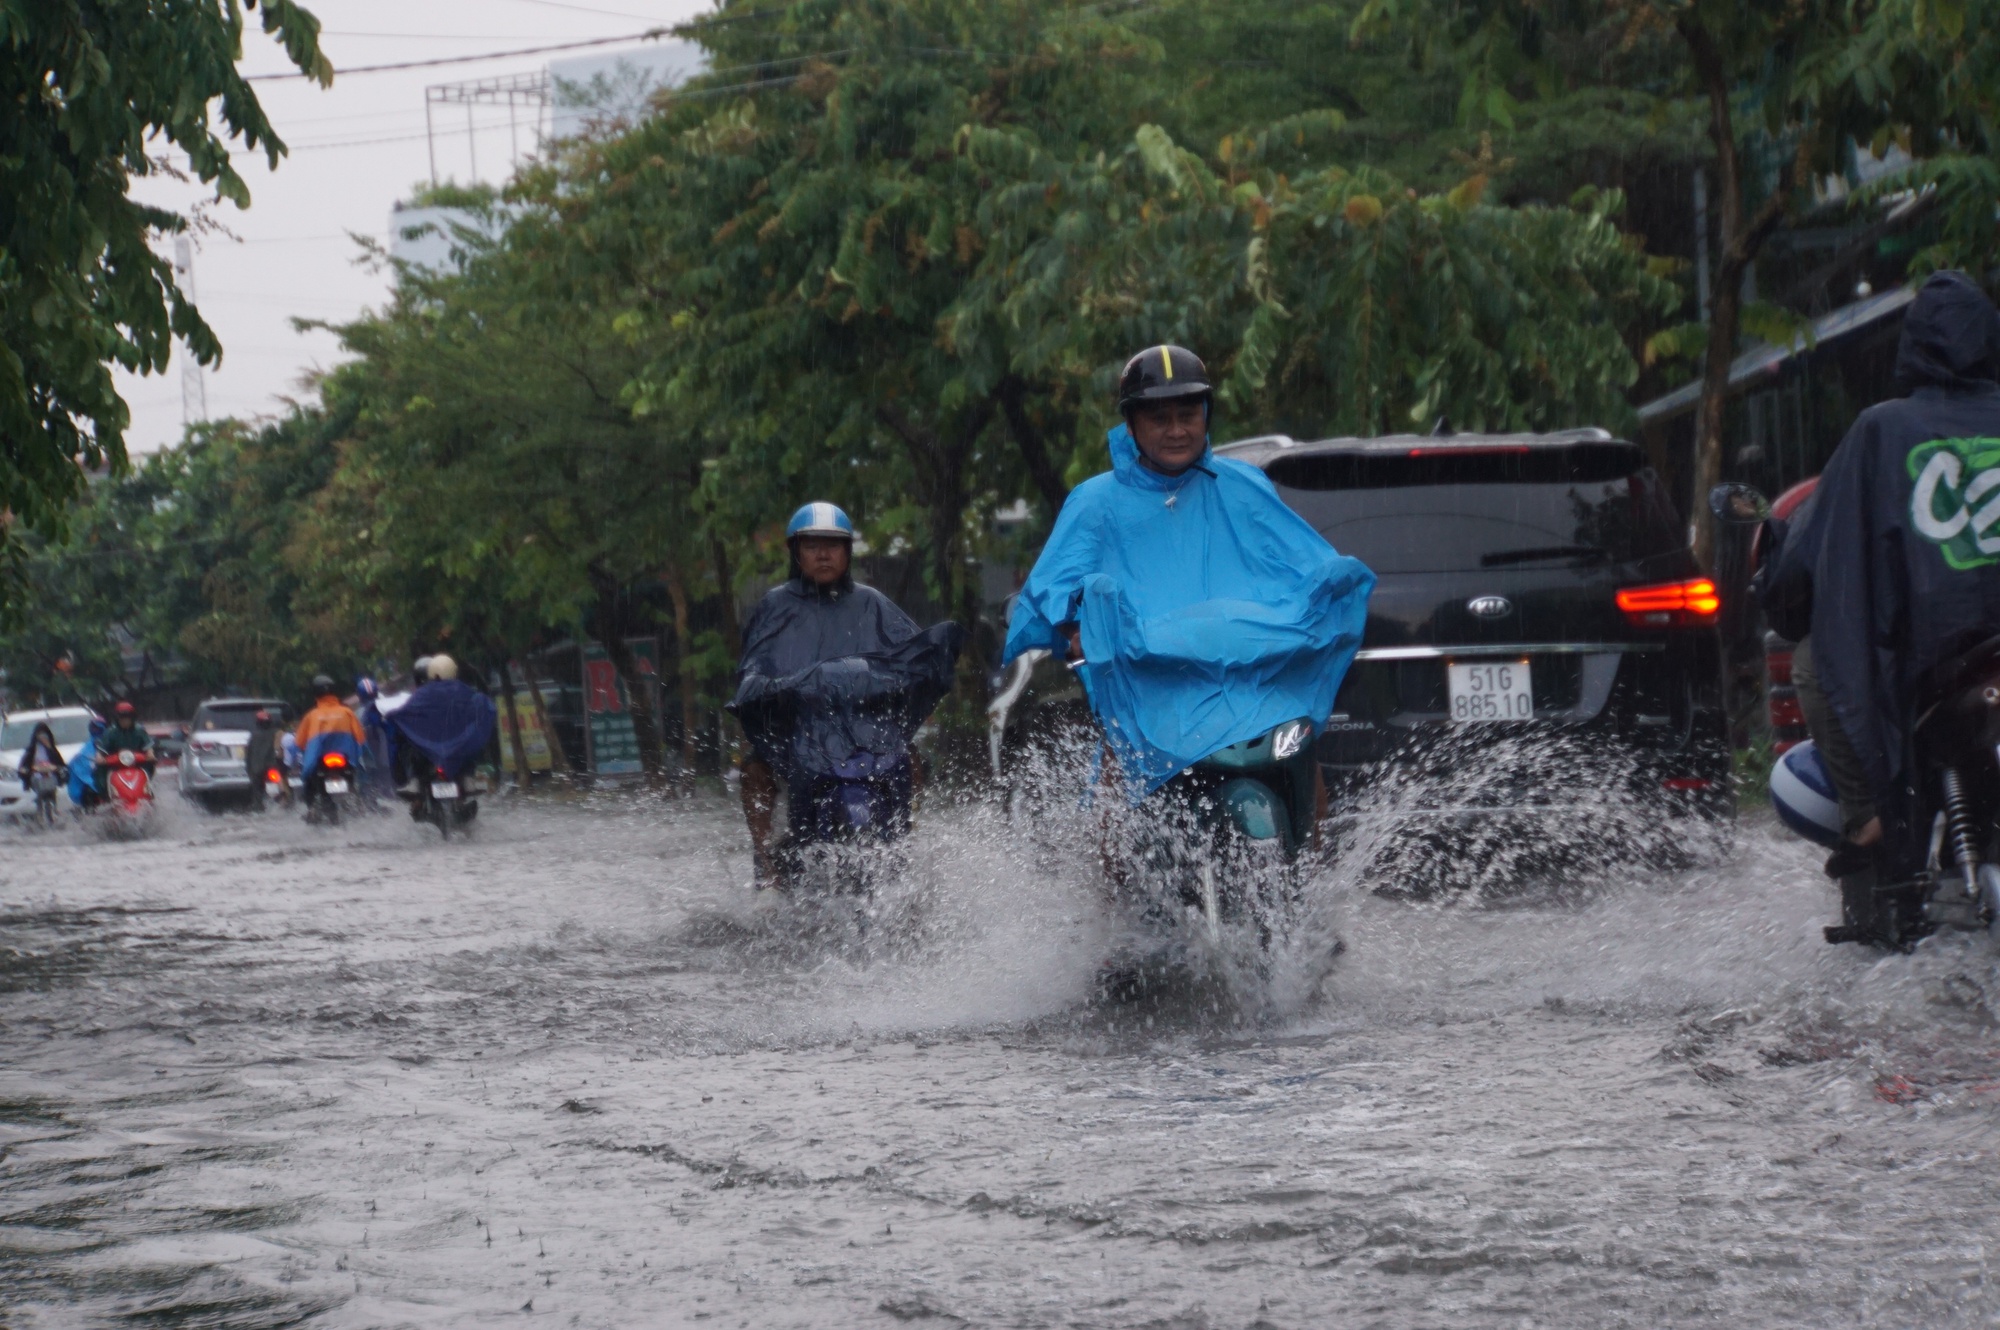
1737	504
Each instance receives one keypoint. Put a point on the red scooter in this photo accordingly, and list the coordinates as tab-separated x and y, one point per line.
128	784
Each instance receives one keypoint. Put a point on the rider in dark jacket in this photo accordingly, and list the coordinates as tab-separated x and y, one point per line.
42	749
1907	541
833	675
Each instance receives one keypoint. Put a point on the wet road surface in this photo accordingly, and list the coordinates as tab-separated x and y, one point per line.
258	1074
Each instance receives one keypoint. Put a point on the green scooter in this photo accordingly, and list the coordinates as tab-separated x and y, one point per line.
1218	843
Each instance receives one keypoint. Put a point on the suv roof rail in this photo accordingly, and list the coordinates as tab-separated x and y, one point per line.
1277	440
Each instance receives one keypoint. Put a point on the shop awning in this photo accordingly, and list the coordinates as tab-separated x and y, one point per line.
1763	362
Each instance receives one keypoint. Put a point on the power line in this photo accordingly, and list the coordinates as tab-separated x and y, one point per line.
445	36
652	34
581	9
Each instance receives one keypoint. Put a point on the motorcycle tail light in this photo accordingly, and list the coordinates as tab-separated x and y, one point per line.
440	771
333	762
274	776
1691	604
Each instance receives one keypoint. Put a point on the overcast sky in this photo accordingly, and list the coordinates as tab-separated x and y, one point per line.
356	149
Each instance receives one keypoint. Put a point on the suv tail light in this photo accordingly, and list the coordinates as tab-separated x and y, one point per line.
1692	604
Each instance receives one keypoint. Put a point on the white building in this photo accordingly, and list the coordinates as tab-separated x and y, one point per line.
617	87
577	95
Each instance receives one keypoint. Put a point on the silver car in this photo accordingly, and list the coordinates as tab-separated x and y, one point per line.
218	742
71	727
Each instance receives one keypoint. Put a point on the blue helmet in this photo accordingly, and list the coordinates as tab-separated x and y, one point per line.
819	519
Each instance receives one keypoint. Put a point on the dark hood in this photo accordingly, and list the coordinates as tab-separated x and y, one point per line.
1951	336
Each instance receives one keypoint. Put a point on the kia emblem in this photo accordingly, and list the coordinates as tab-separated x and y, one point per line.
1489	607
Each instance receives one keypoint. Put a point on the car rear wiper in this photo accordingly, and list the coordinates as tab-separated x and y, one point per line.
1581	553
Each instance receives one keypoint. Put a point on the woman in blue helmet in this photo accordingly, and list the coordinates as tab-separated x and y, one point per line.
834	681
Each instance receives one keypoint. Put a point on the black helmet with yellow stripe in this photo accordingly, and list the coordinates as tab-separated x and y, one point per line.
1162	374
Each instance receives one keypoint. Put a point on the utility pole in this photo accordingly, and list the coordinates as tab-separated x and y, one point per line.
194	390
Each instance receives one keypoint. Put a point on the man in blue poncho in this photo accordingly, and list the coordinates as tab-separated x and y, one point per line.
1200	610
441	731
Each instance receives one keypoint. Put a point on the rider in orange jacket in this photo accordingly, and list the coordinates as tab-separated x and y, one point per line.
328	716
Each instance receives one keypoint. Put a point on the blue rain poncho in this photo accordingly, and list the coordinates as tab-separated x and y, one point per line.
447	721
1210	612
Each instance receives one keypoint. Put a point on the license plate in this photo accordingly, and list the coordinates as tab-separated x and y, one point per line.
1497	690
444	789
336	787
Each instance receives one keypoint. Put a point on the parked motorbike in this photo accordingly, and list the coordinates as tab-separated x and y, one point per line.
329	786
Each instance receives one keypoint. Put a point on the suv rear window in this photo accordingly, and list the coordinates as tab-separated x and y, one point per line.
238	715
1453	508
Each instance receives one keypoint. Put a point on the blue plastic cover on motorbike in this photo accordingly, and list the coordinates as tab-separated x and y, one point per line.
1210	612
448	721
834	682
82	770
332	742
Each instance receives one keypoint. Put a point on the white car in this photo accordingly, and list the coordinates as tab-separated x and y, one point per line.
71	727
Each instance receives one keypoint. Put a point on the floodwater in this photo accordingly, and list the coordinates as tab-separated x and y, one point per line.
259	1074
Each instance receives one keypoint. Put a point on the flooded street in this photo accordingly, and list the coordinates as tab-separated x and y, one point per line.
259	1074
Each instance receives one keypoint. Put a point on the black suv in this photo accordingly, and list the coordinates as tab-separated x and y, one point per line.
1540	634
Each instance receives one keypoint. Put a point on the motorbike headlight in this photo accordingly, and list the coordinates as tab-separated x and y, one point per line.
1289	738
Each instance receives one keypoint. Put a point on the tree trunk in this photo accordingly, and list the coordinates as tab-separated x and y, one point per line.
638	697
684	658
1741	241
725	582
1033	443
940	468
558	759
514	725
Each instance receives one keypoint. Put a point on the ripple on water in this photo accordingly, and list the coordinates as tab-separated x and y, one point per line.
259	1074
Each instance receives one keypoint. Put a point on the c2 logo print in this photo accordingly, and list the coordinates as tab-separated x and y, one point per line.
1955	503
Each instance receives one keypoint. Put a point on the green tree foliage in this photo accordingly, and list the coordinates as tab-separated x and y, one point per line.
1789	89
186	562
90	91
893	253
